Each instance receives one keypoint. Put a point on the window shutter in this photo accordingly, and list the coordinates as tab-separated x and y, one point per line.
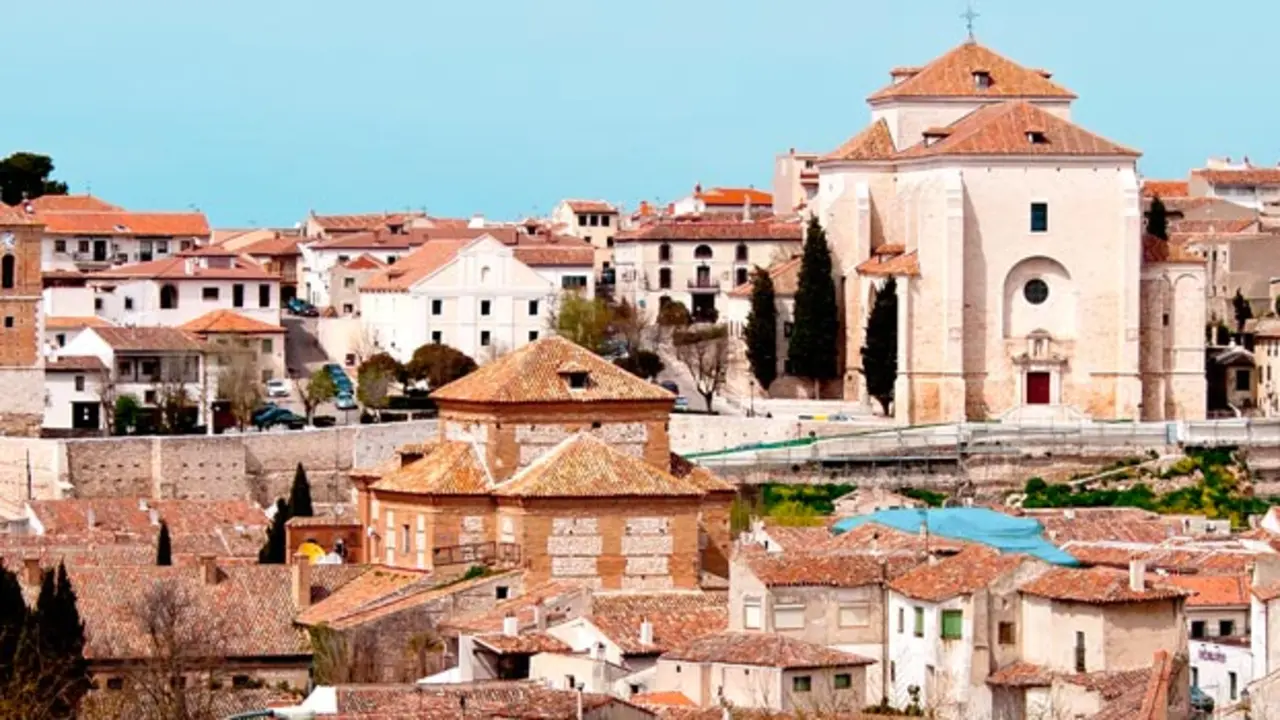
952	624
751	619
788	617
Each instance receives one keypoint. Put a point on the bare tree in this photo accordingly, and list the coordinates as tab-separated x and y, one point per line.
105	386
314	390
238	384
173	396
633	325
705	351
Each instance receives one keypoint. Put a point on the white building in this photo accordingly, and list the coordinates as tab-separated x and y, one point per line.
73	392
84	239
724	201
172	292
480	296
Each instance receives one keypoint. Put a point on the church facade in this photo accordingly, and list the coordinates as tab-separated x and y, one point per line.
1026	286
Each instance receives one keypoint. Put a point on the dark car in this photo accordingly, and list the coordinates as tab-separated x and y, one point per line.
670	387
1200	701
279	416
298	306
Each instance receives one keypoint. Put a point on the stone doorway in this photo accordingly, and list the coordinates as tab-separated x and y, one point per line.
1038	386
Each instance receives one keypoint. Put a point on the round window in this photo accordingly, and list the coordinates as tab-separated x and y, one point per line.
1035	291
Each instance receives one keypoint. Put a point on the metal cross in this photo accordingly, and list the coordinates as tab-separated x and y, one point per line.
969	15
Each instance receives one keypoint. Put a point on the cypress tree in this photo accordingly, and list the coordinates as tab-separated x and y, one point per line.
814	350
164	548
880	354
13	625
762	329
273	551
300	494
71	642
1158	219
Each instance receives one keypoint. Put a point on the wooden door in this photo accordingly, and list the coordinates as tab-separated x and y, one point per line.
1037	388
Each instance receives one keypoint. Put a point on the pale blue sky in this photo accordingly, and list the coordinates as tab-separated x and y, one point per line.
257	110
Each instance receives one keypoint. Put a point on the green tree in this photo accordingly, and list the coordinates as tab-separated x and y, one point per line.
25	175
274	550
1158	219
1243	310
300	494
63	630
643	364
13	626
814	348
164	546
317	389
762	329
373	384
126	411
386	364
439	365
880	353
583	320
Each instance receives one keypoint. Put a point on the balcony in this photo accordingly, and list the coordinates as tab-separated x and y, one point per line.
704	284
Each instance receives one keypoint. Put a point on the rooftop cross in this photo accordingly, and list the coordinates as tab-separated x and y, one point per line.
969	15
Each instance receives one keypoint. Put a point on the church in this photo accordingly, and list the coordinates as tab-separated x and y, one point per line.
1026	286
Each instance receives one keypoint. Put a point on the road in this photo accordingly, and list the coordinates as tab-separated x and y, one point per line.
304	356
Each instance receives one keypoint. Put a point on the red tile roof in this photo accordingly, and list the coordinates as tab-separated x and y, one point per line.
799	568
729	196
278	246
907	265
1224	226
952	75
532	374
219	322
872	143
501	700
1165	188
16	216
73	363
762	649
557	597
1250	176
529	643
1097	586
175	268
162	339
1022	675
448	468
1003	129
676	617
1155	250
1213	590
711	228
1103	524
71	203
584	466
148	224
365	261
785	276
414	267
365	221
876	538
664	698
383	591
555	254
591	206
70	322
970	570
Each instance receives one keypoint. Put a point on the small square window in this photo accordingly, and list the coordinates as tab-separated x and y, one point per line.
608	242
342	259
267	346
83	246
484	338
533	335
582	221
115	683
1198	629
501	592
128	303
604	220
436	337
79	383
594	220
348	282
348	308
533	308
842	681
485	307
8	321
149	397
952	624
1226	628
209	293
981	79
801	683
62	339
59	246
1039	217
1005	631
437	307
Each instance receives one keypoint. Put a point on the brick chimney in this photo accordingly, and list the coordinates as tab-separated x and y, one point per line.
1137	576
301	585
31	572
209	568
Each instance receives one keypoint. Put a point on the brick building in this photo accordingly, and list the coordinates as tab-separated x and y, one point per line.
557	461
21	364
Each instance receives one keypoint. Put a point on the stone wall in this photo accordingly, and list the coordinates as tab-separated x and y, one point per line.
703	433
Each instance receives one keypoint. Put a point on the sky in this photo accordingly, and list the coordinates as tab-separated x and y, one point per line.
258	111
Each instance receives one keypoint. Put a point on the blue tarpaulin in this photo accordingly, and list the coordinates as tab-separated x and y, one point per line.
1003	532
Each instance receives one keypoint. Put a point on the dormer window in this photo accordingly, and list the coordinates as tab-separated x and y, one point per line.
576	380
981	79
934	134
1037	137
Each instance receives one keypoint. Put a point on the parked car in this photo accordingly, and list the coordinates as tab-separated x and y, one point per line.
670	387
340	379
682	403
279	416
262	411
344	401
278	388
1200	701
298	306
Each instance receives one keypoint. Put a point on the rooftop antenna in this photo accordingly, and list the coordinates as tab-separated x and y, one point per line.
969	15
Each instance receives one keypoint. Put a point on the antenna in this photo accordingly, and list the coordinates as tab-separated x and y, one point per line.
969	15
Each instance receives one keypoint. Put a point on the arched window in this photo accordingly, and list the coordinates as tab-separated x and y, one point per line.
664	253
484	275
7	272
168	297
702	252
740	252
664	279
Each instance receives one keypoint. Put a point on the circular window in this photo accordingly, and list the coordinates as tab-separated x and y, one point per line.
1035	291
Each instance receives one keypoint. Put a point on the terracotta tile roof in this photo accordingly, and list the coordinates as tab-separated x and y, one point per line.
1022	675
676	617
889	249
1102	524
529	643
371	584
114	223
713	228
1003	129
952	75
1213	590
554	254
1222	226
1267	593
556	596
383	595
175	268
365	261
591	206
727	196
1165	188
969	570
907	264
74	363
449	468
364	221
762	649
1155	250
699	476
1249	176
410	269
162	339
324	521
785	276
71	203
1097	586
74	322
876	538
500	699
798	568
278	246
585	466
531	375
219	322
16	216
663	698
872	143
377	240
71	517
1180	560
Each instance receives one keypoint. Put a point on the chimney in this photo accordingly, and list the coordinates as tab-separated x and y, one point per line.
1137	576
301	581
1069	514
90	518
697	189
646	632
31	572
540	616
189	266
209	568
746	207
477	221
510	626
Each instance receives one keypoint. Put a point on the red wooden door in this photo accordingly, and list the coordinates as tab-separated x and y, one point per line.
1037	388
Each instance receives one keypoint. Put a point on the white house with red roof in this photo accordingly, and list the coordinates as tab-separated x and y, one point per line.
992	210
595	221
724	201
85	233
177	290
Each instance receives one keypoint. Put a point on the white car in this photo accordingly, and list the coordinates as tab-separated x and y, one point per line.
278	388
